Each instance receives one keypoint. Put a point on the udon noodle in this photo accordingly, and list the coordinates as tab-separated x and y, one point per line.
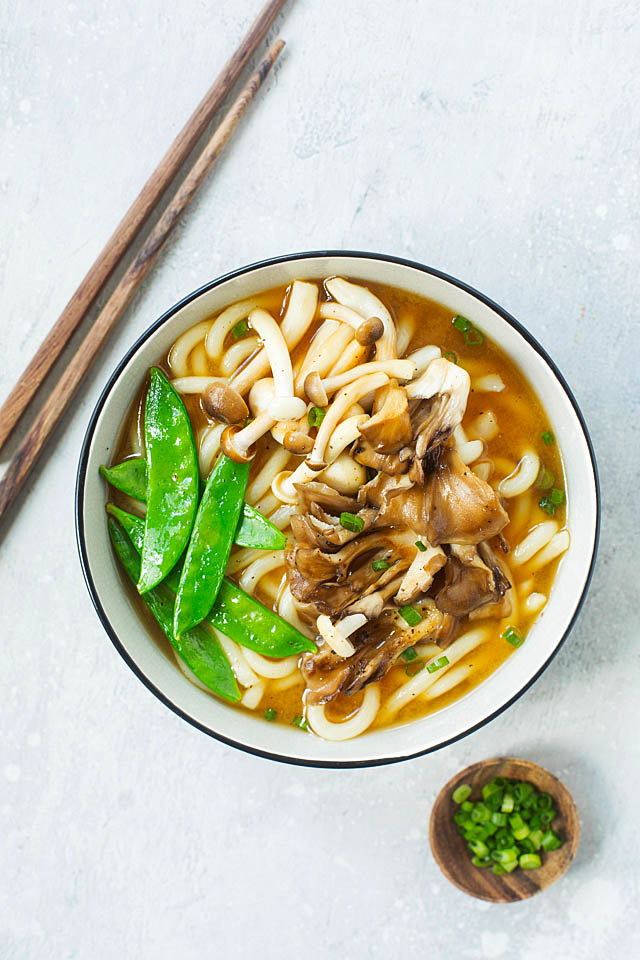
413	471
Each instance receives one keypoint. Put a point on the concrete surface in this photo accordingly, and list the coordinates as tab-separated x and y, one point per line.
495	141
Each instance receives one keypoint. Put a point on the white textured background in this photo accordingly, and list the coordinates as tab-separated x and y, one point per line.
497	141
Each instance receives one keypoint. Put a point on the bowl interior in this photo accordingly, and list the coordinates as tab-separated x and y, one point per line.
241	727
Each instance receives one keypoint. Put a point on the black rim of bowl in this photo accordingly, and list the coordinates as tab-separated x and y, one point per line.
82	469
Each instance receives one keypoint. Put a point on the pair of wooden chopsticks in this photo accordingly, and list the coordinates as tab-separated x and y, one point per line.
50	349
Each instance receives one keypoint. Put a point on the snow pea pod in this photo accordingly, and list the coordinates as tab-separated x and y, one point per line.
129	476
253	530
235	613
172	481
199	648
210	543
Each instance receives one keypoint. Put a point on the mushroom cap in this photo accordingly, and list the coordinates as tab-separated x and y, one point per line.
314	390
224	404
230	450
295	441
370	331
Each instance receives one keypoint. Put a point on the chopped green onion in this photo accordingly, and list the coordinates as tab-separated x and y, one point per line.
489	789
437	664
480	813
550	841
415	667
544	801
315	416
547	438
240	330
500	819
461	323
506	855
545	478
353	523
421	547
546	816
481	861
299	721
450	355
526	845
409	654
473	337
380	565
498	870
535	839
529	861
466	805
409	614
552	502
461	793
507	803
522	790
270	713
479	848
557	497
512	636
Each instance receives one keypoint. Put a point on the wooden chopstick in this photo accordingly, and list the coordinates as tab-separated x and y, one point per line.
51	347
33	443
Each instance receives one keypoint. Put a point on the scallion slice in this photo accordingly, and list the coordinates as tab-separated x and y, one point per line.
414	667
315	416
380	565
408	655
240	330
512	636
270	713
409	614
437	664
545	478
352	522
421	547
299	721
461	793
547	438
450	355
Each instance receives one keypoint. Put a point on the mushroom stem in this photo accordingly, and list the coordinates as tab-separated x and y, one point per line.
367	305
324	353
299	313
285	406
241	442
330	310
218	330
284	485
348	396
399	369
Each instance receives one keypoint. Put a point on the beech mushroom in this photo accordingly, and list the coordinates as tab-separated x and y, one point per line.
400	369
299	313
224	404
314	390
345	398
364	302
285	405
370	331
295	441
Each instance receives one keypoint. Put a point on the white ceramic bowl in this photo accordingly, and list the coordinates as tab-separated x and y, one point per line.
241	728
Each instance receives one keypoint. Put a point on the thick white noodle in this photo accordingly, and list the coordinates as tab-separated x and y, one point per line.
350	728
329	310
490	383
237	354
287	610
224	322
483	469
468	450
285	683
535	540
418	684
179	353
209	446
535	602
136	433
484	427
198	361
241	559
556	545
253	696
427	649
523	477
243	672
251	575
281	517
267	504
284	405
261	483
192	384
450	680
272	669
400	369
405	327
344	399
189	674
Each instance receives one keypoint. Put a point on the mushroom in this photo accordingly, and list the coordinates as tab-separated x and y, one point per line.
346	397
420	574
370	331
367	305
295	441
285	406
284	484
400	369
224	404
299	313
389	429
237	444
314	390
325	350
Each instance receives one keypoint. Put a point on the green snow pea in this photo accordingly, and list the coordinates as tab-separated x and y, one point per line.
199	648
234	612
129	476
210	543
253	530
172	481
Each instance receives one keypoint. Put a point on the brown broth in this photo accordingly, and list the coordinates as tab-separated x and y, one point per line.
521	420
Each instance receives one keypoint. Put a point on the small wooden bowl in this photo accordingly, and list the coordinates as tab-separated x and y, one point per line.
450	849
